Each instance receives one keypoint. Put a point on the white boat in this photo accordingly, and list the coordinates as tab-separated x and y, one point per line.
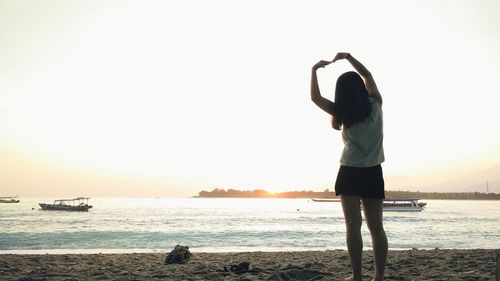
403	205
390	204
325	200
76	204
9	199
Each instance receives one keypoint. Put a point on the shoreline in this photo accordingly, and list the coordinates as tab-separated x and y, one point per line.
202	251
470	264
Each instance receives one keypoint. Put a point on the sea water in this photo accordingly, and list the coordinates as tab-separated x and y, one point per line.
235	224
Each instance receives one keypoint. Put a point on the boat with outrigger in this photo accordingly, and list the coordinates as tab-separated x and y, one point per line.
9	199
325	200
403	205
390	204
79	204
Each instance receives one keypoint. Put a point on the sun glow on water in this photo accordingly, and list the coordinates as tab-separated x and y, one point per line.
234	224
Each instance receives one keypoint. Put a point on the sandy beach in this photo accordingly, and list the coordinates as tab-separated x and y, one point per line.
317	265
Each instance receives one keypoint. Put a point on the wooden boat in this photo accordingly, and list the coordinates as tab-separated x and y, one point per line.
403	205
9	199
325	200
390	204
80	204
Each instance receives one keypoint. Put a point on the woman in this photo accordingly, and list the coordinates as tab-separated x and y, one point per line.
357	111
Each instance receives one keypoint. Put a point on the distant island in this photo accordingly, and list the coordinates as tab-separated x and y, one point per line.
261	193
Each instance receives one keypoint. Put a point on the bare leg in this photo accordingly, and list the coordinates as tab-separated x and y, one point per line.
352	215
372	208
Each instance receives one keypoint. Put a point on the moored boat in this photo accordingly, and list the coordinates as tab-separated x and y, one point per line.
390	204
403	205
76	204
325	200
9	199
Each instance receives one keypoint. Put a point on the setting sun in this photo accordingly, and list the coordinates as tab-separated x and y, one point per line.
222	101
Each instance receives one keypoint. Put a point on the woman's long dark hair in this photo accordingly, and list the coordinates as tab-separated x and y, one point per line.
351	100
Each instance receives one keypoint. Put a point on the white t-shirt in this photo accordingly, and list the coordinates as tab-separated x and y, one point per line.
363	141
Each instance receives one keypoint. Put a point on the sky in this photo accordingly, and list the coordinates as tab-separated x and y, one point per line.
166	98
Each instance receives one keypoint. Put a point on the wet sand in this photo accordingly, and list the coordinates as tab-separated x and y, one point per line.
314	265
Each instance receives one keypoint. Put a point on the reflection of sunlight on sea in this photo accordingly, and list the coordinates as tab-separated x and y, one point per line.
230	224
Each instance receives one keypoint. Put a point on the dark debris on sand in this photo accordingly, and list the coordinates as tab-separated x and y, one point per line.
180	254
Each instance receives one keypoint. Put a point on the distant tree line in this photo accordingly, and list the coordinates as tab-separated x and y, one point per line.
443	195
261	193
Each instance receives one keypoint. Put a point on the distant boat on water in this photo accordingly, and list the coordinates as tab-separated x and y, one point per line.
391	204
403	205
9	199
80	204
325	200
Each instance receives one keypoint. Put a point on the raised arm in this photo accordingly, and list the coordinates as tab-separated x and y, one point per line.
370	85
319	100
316	97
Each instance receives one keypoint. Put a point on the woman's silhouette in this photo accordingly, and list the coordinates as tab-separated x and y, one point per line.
357	111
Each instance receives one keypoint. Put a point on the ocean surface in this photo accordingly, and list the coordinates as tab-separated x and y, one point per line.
116	225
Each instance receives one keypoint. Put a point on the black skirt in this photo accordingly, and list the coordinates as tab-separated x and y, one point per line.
364	182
